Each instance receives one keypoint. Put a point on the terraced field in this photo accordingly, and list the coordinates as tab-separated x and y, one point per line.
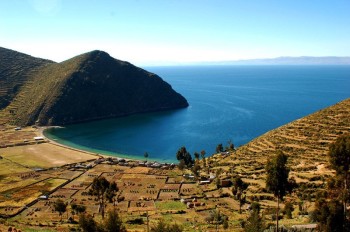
166	193
305	141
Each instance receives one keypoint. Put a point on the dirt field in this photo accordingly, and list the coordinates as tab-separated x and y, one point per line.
43	155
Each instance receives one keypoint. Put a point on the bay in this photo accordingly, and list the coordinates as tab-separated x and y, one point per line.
227	103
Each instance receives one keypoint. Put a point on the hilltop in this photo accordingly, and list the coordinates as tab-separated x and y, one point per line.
86	87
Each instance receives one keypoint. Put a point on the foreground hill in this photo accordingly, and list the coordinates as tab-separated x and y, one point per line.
306	141
88	87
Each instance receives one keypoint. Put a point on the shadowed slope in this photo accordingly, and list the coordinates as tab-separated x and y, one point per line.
89	87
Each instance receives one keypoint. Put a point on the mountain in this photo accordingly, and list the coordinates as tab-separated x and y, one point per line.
87	87
303	60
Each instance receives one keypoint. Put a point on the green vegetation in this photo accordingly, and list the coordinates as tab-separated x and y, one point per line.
238	191
277	179
183	154
112	223
332	213
60	207
161	226
104	190
13	76
170	205
72	91
254	222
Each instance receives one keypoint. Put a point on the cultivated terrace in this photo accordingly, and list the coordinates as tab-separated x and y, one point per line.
35	173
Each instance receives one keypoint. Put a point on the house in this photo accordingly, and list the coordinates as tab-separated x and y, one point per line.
204	182
43	197
225	183
306	227
156	165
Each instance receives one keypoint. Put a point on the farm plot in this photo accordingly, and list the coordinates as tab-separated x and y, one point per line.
82	197
170	206
136	206
22	196
140	187
169	192
190	190
111	176
62	194
8	167
83	181
18	181
68	174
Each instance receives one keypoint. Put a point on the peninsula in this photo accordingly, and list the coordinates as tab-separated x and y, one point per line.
87	87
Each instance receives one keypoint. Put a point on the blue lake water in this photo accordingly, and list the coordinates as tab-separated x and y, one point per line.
236	103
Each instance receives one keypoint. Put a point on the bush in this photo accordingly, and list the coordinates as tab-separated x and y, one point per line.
288	209
136	221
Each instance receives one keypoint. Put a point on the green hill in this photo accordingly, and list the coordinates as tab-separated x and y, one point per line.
15	70
88	87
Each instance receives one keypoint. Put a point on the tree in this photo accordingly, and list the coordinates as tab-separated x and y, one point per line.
196	169
277	178
146	155
182	165
288	209
219	148
225	223
238	189
196	155
60	207
113	222
330	215
203	154
77	209
254	222
104	190
339	157
183	154
230	147
87	223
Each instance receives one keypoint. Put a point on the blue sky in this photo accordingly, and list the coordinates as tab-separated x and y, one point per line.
156	32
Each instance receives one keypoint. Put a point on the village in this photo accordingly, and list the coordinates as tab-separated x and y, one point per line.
148	191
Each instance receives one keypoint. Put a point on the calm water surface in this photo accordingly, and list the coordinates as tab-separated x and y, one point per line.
236	103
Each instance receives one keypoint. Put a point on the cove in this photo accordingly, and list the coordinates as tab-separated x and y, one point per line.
227	103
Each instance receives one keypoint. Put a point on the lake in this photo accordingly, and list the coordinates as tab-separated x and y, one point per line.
227	103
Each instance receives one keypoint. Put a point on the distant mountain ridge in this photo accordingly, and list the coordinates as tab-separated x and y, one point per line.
86	87
302	60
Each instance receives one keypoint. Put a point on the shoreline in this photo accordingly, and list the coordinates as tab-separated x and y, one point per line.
42	129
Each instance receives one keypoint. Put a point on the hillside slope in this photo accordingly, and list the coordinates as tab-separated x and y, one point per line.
305	141
15	70
89	87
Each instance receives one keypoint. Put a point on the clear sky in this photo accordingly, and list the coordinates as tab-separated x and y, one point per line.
151	32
